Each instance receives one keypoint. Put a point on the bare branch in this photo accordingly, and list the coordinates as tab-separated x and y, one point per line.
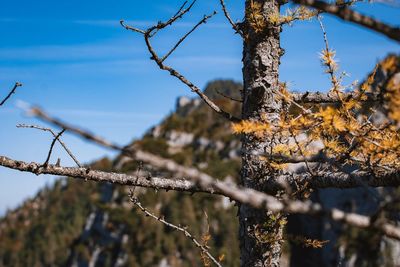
330	65
261	200
188	83
205	183
178	15
37	112
17	84
149	33
234	25
204	20
183	230
348	14
321	180
131	28
201	182
99	176
318	97
51	147
54	135
229	97
161	25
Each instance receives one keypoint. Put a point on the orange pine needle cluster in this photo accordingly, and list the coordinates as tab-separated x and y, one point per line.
298	13
350	131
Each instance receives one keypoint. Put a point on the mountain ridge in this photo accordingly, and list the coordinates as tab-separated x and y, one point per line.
77	223
100	227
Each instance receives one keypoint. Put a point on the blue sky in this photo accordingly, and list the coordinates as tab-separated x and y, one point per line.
76	62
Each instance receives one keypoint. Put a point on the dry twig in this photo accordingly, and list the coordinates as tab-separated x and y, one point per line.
348	14
181	229
234	25
17	84
152	31
52	146
54	135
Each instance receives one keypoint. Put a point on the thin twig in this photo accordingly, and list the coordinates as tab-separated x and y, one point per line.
183	79
186	35
337	180
348	14
183	230
54	135
17	84
128	27
304	110
229	97
234	25
51	147
331	69
149	33
37	112
206	183
161	25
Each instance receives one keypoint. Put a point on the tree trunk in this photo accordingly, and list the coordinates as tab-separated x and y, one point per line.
260	232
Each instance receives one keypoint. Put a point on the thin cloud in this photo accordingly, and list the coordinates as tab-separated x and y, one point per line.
90	113
145	23
6	110
113	67
200	61
114	22
120	48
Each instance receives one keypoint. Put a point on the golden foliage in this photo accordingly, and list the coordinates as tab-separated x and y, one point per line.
205	238
247	127
308	242
255	16
328	58
347	130
298	13
392	95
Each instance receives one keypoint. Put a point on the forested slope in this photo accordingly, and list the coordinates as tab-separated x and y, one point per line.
78	223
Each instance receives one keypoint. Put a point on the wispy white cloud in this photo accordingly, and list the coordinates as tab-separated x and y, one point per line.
90	113
96	117
114	22
113	67
146	23
6	110
118	48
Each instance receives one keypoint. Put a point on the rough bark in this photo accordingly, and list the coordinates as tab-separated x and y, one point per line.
260	232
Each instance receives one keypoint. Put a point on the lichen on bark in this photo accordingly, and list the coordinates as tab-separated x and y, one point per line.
260	231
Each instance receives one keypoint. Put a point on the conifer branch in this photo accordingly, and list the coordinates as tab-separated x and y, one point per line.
322	179
348	14
318	97
205	183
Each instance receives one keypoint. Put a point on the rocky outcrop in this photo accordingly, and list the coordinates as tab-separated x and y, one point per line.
184	105
98	236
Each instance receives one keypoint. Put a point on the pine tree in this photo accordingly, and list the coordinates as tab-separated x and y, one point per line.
340	139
